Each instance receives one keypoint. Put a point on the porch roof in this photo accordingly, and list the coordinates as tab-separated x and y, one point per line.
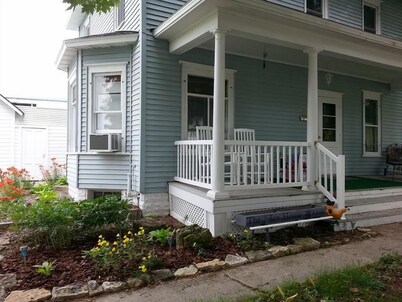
255	27
11	105
69	47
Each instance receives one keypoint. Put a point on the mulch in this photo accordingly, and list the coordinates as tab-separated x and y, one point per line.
72	267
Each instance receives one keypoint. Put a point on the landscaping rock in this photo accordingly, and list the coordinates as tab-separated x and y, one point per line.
135	282
8	280
94	288
259	255
193	236
4	226
150	223
161	274
279	251
34	295
69	292
109	287
2	294
365	230
235	260
307	243
295	248
209	266
4	241
186	271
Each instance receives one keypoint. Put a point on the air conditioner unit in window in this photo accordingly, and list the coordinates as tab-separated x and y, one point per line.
109	142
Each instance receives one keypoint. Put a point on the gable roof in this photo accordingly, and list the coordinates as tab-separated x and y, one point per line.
11	105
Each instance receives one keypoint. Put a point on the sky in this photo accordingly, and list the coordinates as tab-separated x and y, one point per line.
31	35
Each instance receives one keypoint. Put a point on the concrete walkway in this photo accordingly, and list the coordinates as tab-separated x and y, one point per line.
266	274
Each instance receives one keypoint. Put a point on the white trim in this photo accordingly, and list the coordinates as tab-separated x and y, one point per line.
337	99
109	68
376	4
324	9
376	96
11	105
189	68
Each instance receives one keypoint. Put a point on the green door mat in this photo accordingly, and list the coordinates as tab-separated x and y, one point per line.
361	183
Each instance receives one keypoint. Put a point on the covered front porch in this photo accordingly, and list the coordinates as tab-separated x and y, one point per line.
270	35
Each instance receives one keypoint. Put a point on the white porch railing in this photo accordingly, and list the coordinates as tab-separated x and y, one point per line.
247	164
331	173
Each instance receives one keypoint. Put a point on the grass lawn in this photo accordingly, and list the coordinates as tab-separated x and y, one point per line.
378	282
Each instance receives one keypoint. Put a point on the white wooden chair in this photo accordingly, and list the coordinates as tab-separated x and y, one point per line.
247	153
203	133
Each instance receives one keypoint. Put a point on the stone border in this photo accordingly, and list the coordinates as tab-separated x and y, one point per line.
92	288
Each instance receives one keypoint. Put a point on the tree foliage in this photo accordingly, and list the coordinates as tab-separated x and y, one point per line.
93	6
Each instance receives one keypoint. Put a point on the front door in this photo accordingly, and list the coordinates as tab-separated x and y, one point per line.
34	151
330	120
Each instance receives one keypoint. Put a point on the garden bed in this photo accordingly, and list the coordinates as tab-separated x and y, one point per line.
71	266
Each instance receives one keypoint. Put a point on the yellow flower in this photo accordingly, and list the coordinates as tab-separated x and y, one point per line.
245	231
129	233
143	268
113	249
118	236
100	236
149	256
126	240
144	258
141	228
115	243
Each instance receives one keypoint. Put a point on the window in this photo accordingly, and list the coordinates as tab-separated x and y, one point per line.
107	99
198	90
72	113
120	13
371	123
371	16
316	7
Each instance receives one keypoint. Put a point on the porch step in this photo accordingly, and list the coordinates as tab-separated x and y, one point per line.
368	219
374	204
371	193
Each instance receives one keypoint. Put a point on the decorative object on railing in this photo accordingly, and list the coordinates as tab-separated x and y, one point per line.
334	212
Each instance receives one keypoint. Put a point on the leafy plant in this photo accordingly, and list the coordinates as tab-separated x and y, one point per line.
46	223
13	184
45	268
246	241
94	213
122	254
52	175
161	235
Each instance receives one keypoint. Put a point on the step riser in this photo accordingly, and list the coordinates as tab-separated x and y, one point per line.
351	195
374	207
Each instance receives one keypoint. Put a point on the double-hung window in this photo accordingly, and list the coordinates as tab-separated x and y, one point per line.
198	91
107	99
120	14
371	123
316	7
371	16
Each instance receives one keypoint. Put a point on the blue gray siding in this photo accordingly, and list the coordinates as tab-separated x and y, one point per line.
391	19
72	171
294	4
103	171
161	105
347	12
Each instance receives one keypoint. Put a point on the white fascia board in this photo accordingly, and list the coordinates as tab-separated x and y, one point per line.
11	105
69	47
264	20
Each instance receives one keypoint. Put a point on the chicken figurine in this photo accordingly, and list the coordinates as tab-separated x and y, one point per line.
335	212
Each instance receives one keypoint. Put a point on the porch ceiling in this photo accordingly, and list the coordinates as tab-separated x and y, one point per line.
255	26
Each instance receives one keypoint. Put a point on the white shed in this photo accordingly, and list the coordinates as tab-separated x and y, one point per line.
31	133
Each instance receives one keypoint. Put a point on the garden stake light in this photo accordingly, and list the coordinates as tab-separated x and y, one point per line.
24	253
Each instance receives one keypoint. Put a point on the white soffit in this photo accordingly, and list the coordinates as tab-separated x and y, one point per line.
68	50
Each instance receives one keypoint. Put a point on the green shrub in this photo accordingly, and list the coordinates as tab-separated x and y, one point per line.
161	235
101	211
46	223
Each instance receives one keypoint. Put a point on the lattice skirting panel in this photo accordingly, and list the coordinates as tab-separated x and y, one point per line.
187	212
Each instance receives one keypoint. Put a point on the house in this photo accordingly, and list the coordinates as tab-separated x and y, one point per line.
32	132
320	83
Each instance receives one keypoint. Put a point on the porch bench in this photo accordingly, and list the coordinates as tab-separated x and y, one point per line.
393	157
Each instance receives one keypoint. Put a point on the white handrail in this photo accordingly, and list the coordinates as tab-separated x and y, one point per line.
329	165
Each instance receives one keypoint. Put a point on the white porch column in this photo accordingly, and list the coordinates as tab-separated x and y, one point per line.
218	134
312	115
